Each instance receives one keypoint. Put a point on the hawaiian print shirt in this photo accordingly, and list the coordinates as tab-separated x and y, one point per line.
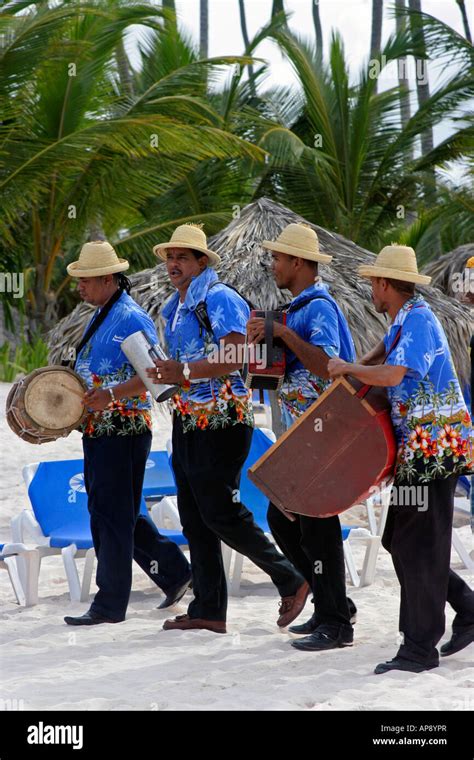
208	403
321	323
102	364
431	420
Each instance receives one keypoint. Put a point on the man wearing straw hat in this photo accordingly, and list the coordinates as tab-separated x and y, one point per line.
433	430
315	330
116	441
212	432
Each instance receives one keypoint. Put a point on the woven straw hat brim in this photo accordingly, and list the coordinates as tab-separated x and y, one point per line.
159	250
394	274
74	270
301	253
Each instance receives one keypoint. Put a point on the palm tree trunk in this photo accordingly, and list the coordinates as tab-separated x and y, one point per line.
376	34
123	65
405	109
277	7
204	28
465	20
245	37
422	83
317	28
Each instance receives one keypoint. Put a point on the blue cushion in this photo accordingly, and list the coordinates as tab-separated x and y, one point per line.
159	480
59	500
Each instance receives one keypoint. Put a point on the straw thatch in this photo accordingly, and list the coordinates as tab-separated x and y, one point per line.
246	266
443	268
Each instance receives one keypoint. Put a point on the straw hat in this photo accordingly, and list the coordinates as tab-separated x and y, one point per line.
97	259
188	236
298	240
395	262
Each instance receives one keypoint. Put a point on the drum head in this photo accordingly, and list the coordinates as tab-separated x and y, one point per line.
53	398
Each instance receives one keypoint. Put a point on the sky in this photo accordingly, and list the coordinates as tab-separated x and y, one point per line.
351	18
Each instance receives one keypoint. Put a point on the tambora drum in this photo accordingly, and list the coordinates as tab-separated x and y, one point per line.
47	404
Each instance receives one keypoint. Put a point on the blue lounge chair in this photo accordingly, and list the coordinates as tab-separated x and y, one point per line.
59	522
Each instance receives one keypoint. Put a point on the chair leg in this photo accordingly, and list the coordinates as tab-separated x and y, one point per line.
237	574
461	550
12	568
350	563
367	575
32	568
226	559
87	575
68	554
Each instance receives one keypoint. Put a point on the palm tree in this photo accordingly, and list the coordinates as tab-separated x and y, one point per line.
204	28
78	152
376	33
245	37
337	153
405	108
465	20
422	81
317	27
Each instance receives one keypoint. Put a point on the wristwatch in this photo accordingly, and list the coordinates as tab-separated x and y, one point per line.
186	371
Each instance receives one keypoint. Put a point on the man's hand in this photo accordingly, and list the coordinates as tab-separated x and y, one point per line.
96	400
169	372
256	330
338	367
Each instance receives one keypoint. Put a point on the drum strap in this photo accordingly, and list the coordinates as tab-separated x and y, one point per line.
362	393
94	325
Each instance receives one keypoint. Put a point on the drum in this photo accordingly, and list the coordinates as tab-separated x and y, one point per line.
47	404
333	456
264	367
141	353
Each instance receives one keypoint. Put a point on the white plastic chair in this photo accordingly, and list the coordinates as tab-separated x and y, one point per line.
22	565
26	530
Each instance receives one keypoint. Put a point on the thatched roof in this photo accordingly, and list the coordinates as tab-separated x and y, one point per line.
246	266
443	268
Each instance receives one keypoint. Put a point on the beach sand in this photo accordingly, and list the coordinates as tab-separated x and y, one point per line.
135	665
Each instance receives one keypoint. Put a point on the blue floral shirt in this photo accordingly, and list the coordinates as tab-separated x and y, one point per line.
102	364
321	323
208	403
431	420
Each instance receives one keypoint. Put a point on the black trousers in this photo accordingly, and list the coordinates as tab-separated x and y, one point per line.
207	466
114	468
314	546
418	536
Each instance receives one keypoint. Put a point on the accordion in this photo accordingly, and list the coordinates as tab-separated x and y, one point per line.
265	362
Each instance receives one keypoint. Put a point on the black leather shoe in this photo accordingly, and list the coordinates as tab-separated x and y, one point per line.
399	663
174	594
310	626
323	639
89	618
459	639
306	628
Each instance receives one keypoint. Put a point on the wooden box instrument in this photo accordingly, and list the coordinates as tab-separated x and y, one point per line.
264	368
331	457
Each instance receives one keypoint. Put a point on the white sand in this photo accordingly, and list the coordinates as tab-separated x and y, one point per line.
136	665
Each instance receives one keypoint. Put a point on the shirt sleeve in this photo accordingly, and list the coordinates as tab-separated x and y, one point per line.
322	327
416	348
142	322
228	312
